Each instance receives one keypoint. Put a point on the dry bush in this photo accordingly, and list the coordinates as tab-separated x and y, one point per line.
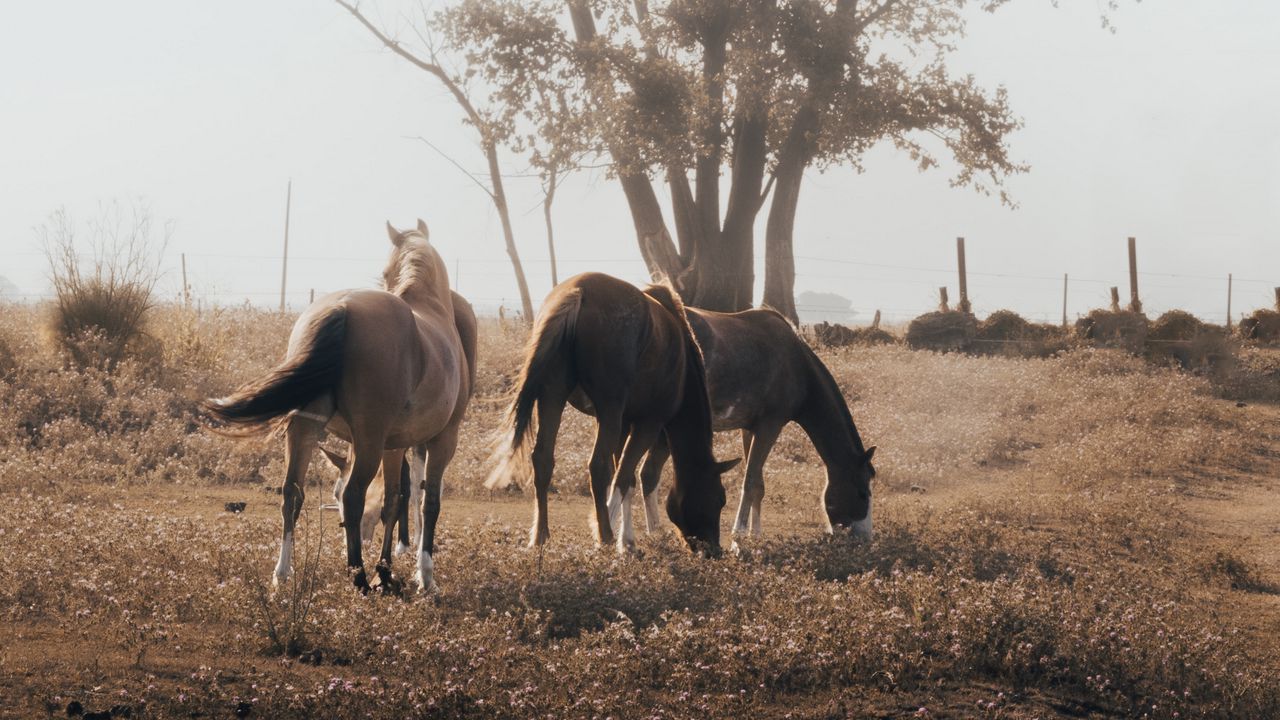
1122	329
1004	332
1178	337
103	286
1254	376
836	335
1262	327
944	331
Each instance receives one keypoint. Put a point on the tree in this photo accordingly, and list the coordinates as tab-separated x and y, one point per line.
763	88
491	136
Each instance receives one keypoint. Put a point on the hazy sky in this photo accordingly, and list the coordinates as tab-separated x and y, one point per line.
1165	130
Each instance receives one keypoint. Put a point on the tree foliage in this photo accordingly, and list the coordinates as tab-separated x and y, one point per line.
756	91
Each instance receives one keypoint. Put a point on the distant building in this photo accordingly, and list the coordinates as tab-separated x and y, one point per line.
814	307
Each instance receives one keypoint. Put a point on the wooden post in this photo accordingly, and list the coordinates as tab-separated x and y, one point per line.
1064	299
942	295
1278	299
963	306
313	295
186	289
875	324
1134	303
1228	302
284	265
1115	299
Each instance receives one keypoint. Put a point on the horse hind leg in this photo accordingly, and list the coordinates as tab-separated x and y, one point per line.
411	482
550	410
615	498
602	467
301	439
392	468
439	454
366	456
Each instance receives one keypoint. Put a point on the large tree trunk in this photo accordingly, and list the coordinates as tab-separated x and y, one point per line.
779	250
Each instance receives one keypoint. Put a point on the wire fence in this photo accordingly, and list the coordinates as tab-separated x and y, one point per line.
231	272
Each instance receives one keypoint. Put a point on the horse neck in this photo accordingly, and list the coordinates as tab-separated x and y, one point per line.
430	297
689	432
826	419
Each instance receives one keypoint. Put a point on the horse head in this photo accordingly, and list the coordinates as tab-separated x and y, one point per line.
694	508
847	498
414	264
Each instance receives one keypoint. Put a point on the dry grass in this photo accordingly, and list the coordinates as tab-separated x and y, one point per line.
1033	558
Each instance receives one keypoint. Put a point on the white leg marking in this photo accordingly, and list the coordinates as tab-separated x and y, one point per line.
426	573
615	507
627	537
651	517
401	548
757	523
417	478
744	513
285	564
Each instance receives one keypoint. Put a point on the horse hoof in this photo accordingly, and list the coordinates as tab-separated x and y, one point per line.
278	579
401	548
361	582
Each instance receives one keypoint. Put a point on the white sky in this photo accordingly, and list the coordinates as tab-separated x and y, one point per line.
1165	130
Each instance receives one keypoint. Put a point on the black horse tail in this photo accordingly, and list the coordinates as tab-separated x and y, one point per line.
260	404
547	351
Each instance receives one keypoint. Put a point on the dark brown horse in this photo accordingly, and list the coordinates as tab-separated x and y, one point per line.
629	358
385	371
761	376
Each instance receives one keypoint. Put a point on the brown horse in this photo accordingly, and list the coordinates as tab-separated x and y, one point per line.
629	358
384	370
761	376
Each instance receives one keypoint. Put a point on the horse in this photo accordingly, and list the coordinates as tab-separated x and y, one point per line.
411	475
762	376
629	358
384	370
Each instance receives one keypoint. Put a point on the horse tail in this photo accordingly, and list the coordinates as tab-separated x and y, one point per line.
260	405
546	352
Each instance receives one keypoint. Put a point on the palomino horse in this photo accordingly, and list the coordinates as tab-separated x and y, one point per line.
384	370
761	376
411	475
629	358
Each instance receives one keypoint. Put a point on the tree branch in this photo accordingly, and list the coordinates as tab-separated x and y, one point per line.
455	163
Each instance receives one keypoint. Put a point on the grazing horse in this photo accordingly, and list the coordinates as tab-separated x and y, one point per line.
384	370
761	376
628	357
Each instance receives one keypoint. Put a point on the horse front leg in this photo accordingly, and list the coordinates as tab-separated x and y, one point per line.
650	476
624	483
439	453
761	443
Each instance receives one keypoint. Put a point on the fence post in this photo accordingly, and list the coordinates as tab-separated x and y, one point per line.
942	296
875	324
1278	299
313	295
1064	299
1228	302
284	256
1134	303
1115	299
963	305
186	289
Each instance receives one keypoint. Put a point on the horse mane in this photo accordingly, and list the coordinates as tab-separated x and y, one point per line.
414	265
829	383
695	368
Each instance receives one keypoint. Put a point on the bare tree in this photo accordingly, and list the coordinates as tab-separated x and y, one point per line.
489	139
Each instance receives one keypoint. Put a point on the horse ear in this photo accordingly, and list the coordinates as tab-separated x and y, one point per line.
422	228
339	461
394	234
870	452
727	465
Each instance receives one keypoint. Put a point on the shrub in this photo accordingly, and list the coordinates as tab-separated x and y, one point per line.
102	299
945	330
1122	329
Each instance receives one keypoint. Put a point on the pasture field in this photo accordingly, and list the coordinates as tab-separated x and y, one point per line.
1082	536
